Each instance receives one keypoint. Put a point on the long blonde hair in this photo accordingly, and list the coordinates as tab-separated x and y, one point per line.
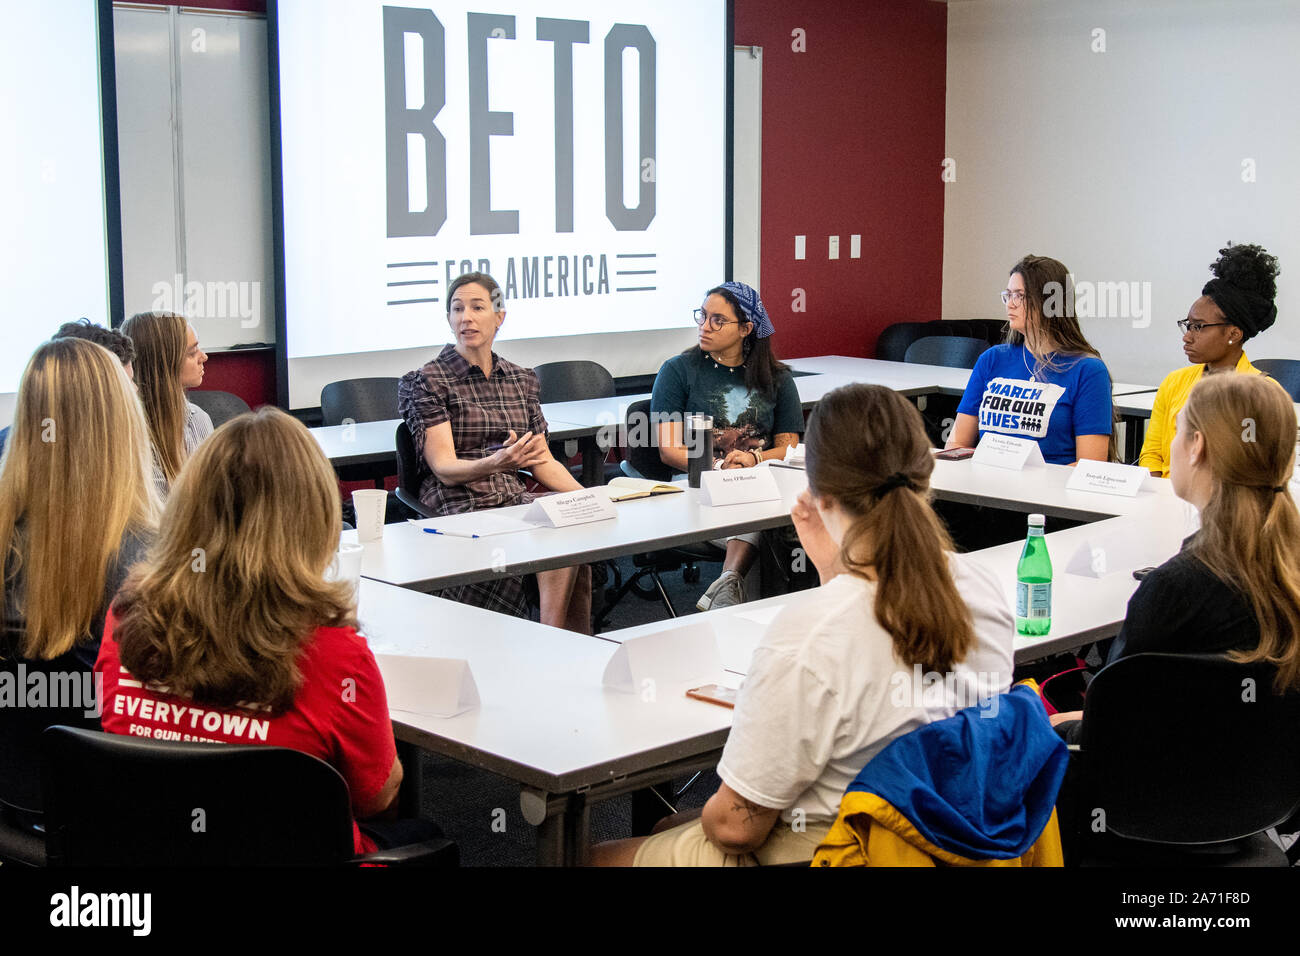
235	584
76	477
159	339
1250	530
868	450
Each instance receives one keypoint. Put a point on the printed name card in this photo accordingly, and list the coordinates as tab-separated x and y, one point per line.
1107	477
684	654
1099	556
433	686
738	486
1003	451
570	508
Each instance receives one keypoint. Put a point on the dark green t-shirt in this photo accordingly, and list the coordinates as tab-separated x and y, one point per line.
745	420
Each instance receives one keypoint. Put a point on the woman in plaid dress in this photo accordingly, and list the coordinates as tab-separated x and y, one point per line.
476	421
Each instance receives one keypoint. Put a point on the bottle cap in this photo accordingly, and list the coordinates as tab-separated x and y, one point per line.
1037	521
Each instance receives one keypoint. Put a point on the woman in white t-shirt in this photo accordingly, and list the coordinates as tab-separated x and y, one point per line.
902	633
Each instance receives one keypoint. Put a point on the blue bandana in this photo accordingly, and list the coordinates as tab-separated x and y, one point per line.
752	306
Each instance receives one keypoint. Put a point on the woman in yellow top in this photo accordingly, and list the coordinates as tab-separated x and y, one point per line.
1236	305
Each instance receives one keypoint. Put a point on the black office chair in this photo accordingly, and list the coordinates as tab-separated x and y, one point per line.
220	406
112	800
646	583
408	473
1190	758
893	342
360	400
21	809
573	382
950	351
1286	371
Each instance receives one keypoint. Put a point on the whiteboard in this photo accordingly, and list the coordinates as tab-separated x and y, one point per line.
747	165
193	117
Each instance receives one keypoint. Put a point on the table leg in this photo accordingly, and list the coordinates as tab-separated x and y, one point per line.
410	798
564	834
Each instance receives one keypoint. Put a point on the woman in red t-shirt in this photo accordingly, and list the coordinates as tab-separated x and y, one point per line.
229	631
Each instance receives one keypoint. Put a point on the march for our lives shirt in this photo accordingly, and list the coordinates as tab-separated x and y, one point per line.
1051	407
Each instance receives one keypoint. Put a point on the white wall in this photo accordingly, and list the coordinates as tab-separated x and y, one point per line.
1125	164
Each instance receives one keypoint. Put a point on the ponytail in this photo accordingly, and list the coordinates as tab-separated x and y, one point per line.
1250	529
868	450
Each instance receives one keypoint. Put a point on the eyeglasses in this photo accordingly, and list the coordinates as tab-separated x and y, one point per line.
1009	296
716	322
1187	325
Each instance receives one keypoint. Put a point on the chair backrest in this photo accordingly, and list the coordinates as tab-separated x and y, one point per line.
1190	748
643	443
408	472
21	727
1286	371
220	406
360	399
113	801
573	381
948	350
894	340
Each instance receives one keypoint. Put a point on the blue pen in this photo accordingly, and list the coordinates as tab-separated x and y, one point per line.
451	534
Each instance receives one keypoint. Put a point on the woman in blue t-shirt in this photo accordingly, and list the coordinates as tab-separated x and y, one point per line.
1046	383
733	376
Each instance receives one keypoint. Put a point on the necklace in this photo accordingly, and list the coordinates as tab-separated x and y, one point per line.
1033	373
729	368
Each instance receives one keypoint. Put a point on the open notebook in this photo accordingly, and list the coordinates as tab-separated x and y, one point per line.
625	489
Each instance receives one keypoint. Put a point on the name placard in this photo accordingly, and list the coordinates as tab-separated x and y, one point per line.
1003	451
1107	478
433	686
570	508
683	654
738	486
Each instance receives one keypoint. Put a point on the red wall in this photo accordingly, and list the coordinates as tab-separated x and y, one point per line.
853	134
248	374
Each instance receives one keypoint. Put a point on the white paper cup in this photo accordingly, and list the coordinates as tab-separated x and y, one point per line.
346	565
370	505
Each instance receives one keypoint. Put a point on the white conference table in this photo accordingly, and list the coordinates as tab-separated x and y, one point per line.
373	442
1089	599
544	719
547	722
409	557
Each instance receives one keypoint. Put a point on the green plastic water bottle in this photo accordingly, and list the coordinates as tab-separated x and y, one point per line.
1034	583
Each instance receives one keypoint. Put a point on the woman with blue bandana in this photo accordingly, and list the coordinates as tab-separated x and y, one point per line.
734	376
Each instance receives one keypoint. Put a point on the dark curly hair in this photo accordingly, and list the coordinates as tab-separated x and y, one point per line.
111	339
1244	287
1247	266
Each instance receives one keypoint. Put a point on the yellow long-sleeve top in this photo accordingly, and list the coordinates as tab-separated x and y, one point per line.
1170	399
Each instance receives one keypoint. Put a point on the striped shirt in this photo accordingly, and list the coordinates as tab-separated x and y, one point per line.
198	426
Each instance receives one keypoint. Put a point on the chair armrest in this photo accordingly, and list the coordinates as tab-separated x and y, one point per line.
440	852
414	503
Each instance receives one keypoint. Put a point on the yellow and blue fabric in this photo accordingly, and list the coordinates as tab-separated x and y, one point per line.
975	789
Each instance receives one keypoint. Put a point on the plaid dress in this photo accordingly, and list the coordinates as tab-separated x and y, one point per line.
482	412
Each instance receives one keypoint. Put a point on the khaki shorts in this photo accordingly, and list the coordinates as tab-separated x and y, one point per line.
687	845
